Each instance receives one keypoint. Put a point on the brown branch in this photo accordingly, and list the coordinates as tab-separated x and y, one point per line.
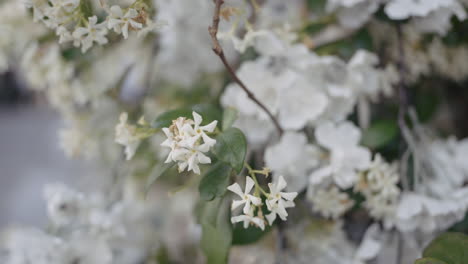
218	50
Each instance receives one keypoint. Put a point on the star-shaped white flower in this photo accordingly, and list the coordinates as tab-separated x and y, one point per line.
247	219
191	158
120	22
86	36
198	131
246	198
278	201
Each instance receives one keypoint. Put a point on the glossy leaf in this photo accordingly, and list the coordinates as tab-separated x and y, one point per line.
157	171
229	117
231	147
216	231
450	248
215	181
379	134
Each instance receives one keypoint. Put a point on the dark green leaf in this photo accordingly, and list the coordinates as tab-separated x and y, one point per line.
215	181
245	236
229	117
429	261
157	171
451	248
216	231
379	134
231	147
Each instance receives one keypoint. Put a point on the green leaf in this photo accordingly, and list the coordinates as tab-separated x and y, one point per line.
216	231
245	236
86	8
229	117
157	171
208	112
215	181
449	248
429	261
231	147
379	134
165	119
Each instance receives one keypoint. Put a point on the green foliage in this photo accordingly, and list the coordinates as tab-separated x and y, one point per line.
231	147
158	170
245	236
448	248
215	181
208	112
229	117
216	230
429	261
86	8
380	133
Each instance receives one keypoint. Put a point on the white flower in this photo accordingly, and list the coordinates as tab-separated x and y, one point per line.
67	5
403	9
346	157
247	219
278	201
246	197
86	36
120	22
300	102
64	205
192	157
330	202
188	142
64	34
125	135
198	131
294	157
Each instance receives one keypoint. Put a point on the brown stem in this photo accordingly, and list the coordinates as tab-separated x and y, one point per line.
218	50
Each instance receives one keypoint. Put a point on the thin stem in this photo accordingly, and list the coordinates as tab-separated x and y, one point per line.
218	50
257	185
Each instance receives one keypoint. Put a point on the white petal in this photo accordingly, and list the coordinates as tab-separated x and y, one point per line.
210	127
236	204
235	188
289	195
281	184
197	118
255	200
249	184
271	217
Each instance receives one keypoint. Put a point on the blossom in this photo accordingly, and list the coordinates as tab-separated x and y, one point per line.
126	135
294	157
278	201
86	36
246	197
346	157
120	22
330	202
189	142
247	219
64	205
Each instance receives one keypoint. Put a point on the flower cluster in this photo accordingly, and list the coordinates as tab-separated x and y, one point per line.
73	20
189	142
379	185
276	201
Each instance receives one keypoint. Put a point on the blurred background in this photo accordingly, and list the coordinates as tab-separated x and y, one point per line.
30	156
